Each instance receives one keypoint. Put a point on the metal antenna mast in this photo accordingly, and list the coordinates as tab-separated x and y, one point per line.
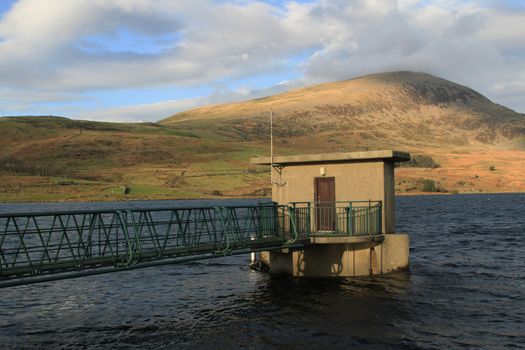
271	146
273	167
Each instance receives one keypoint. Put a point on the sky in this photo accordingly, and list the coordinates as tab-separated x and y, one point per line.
144	60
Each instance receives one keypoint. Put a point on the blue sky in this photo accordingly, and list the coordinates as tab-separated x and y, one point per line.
133	60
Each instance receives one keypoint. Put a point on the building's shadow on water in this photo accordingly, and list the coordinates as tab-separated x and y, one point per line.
362	287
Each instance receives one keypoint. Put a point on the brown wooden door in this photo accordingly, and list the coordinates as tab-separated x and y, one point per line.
324	192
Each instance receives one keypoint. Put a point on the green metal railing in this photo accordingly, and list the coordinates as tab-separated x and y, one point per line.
349	218
33	245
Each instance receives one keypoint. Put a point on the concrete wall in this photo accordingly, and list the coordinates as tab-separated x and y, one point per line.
354	181
389	201
343	260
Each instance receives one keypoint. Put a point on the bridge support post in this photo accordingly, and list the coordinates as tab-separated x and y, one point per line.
252	254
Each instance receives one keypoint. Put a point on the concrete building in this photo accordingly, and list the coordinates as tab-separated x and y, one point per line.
346	201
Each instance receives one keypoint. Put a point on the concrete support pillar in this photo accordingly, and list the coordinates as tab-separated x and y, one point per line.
358	258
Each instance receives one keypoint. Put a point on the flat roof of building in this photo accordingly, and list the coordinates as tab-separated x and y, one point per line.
386	155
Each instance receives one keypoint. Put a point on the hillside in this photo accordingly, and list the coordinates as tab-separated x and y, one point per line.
462	141
54	158
400	109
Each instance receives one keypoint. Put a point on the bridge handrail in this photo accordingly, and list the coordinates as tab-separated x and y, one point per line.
346	218
111	211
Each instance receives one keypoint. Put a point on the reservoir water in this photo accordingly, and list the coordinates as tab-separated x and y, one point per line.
465	289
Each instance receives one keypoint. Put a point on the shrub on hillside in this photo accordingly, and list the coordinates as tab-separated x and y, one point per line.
428	185
18	166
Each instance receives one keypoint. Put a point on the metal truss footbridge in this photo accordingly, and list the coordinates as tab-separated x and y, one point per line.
45	246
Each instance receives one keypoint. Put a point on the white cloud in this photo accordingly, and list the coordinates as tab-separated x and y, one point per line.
457	40
148	112
152	112
65	49
44	41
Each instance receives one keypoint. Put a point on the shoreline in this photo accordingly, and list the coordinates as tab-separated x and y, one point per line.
398	194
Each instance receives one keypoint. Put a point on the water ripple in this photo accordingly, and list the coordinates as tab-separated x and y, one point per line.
465	289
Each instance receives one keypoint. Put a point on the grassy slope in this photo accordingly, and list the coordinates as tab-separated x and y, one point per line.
205	152
97	161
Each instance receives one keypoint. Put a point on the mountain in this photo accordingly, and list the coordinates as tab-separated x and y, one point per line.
398	109
461	142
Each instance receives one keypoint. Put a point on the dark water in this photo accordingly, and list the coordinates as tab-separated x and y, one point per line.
465	289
